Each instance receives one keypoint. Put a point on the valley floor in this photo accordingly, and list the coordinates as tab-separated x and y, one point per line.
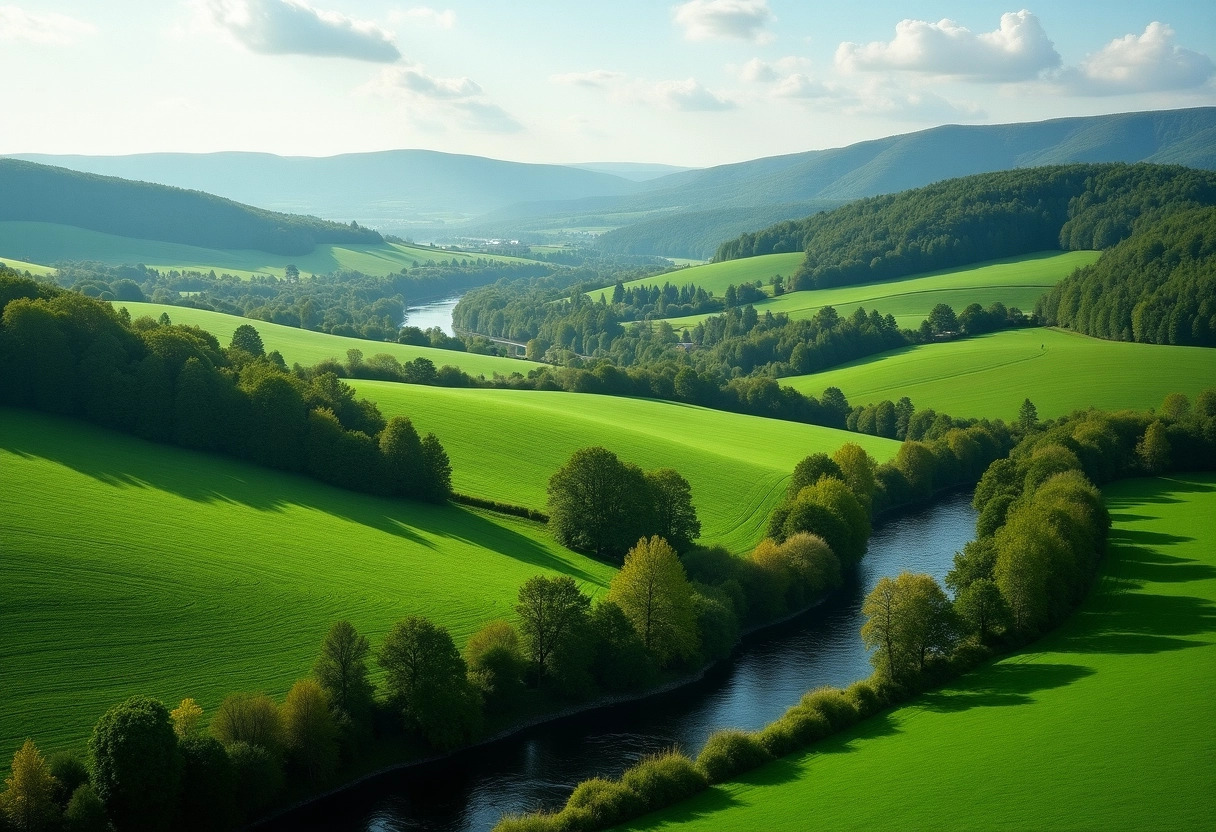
1106	724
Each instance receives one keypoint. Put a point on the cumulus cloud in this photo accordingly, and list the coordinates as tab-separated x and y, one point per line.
290	27
1150	62
1018	50
712	19
688	95
52	28
443	100
596	78
425	16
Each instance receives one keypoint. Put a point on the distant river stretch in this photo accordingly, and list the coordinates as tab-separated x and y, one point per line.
771	671
437	314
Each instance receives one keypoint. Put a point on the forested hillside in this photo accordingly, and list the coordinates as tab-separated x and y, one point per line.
39	193
979	217
1158	286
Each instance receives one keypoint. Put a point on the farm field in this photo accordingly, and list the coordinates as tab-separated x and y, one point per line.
47	243
990	375
1016	281
1107	723
505	444
307	347
715	277
131	567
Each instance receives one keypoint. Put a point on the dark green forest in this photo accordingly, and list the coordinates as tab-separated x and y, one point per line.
1158	286
983	217
40	193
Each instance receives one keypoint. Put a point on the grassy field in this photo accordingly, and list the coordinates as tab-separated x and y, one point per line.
33	268
505	444
47	243
130	567
305	347
1016	282
715	277
990	375
1107	724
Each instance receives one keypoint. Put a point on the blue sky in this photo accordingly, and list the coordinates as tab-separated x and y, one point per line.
690	83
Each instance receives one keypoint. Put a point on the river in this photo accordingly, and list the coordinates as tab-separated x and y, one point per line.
438	313
770	672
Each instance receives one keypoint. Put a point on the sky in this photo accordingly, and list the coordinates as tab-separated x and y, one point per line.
693	83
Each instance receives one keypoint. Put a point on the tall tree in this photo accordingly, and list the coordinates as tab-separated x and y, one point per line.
674	515
1028	415
596	502
342	668
136	764
550	610
28	801
401	452
310	733
908	619
655	595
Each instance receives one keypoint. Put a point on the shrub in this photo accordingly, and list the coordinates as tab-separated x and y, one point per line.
798	728
664	779
70	774
728	753
85	811
864	699
257	774
832	703
250	718
605	802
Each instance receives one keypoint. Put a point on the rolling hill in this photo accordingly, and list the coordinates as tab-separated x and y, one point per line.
989	375
177	574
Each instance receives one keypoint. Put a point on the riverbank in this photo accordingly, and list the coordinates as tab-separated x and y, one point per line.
537	761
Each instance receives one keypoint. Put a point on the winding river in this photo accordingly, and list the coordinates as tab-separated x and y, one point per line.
427	315
770	672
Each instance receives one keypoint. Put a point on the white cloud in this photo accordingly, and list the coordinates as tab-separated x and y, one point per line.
597	78
688	95
757	71
738	19
1151	62
50	29
1017	51
801	85
290	27
425	16
442	101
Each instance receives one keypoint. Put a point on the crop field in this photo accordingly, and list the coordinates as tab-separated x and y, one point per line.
990	375
307	347
505	444
1017	281
48	243
1106	724
715	277
130	567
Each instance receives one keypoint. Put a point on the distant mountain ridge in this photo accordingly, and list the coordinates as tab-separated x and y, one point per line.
446	195
43	193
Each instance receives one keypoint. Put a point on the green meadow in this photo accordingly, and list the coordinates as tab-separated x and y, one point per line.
1016	281
1108	723
130	567
48	243
505	444
715	277
22	266
990	375
306	347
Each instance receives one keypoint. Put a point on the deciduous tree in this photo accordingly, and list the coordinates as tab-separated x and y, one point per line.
655	595
550	610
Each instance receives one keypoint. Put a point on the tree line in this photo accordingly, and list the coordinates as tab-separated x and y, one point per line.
1158	286
1041	532
42	193
63	353
981	217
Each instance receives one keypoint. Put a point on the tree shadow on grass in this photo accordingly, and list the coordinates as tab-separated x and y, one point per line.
1004	684
702	806
122	461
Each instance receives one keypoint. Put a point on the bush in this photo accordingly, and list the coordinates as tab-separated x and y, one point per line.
728	753
70	774
864	699
606	802
257	774
798	728
833	704
85	811
664	779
